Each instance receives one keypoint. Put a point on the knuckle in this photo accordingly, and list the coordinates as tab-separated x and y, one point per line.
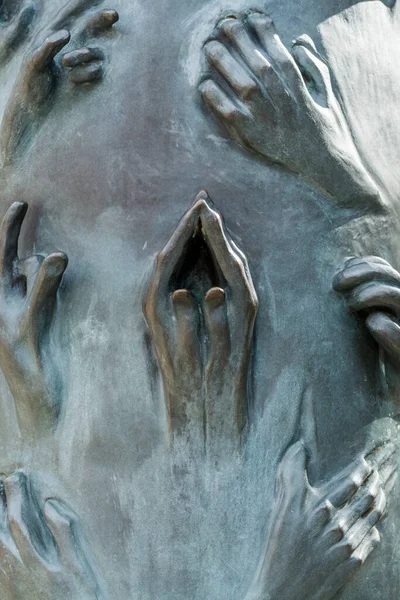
370	497
354	484
249	90
266	70
232	114
348	547
356	562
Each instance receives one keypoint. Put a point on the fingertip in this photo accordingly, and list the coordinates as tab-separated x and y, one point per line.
202	200
87	73
337	281
55	264
182	298
81	56
59	38
215	298
110	16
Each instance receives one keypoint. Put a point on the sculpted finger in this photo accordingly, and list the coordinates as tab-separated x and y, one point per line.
375	295
364	272
228	260
313	68
187	338
62	523
46	285
219	57
43	57
386	332
363	526
87	73
221	106
100	23
356	260
9	554
371	541
292	471
345	485
361	502
9	235
71	10
216	317
81	56
168	259
264	28
237	34
27	526
343	573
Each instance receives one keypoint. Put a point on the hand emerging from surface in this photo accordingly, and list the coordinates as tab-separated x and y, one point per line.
371	287
281	105
40	72
201	307
28	291
43	555
320	537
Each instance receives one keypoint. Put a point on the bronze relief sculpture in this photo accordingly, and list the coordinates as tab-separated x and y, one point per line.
219	423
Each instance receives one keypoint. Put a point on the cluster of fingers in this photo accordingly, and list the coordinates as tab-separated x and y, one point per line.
249	63
187	316
355	503
371	286
202	219
31	532
36	278
84	64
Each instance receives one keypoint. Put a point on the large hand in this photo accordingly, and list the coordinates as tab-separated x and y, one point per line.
282	106
202	272
372	288
43	554
320	537
28	291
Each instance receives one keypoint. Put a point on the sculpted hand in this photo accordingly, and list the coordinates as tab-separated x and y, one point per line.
28	291
40	71
320	537
42	550
202	272
33	88
281	105
372	288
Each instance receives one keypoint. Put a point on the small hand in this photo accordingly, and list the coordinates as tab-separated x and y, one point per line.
42	550
282	106
29	97
40	71
28	291
371	287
